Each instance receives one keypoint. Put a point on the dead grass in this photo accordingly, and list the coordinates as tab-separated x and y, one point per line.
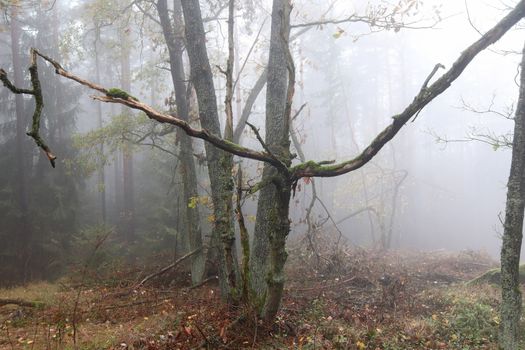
351	299
41	291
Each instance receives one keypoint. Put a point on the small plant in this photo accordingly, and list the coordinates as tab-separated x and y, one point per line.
474	323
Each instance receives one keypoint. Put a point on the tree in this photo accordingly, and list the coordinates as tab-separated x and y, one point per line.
513	229
127	225
285	176
21	123
220	163
174	42
272	224
38	228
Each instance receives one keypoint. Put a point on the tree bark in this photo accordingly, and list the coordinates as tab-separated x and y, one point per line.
220	163
175	44
513	229
269	223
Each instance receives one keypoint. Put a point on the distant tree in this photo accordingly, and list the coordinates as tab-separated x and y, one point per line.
38	229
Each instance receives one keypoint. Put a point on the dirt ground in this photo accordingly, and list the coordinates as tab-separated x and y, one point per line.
342	298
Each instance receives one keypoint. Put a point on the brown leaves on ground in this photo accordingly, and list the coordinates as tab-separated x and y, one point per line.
346	299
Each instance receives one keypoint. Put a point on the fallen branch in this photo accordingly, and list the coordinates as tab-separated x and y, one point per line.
167	268
20	302
209	279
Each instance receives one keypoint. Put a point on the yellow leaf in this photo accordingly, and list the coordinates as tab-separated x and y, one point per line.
338	34
193	202
360	345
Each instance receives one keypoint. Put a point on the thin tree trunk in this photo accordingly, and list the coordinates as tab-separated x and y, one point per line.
128	207
513	229
187	163
24	239
101	185
220	163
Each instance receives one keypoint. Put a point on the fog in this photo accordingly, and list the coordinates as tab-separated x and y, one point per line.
234	174
454	194
439	185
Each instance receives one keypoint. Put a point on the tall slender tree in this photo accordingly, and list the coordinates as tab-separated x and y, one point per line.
21	124
128	205
220	163
173	35
513	229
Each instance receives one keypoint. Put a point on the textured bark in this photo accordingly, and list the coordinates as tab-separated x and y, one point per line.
269	225
175	45
220	163
513	230
228	238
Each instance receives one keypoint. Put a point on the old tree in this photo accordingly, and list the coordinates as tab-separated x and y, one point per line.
263	274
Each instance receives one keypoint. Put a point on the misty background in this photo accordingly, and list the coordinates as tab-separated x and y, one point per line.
432	188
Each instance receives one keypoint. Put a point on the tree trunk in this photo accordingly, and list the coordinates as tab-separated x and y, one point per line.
128	207
187	163
101	185
220	163
272	212
24	240
513	230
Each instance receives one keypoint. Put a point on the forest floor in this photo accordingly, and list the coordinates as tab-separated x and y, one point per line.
347	299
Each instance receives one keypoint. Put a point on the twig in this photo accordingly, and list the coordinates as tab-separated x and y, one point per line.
112	307
245	241
248	54
209	279
263	144
434	71
296	114
424	87
98	244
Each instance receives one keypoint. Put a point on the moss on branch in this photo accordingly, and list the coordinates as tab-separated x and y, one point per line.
119	93
315	166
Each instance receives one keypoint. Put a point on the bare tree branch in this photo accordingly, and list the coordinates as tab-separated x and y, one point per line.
121	97
423	98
